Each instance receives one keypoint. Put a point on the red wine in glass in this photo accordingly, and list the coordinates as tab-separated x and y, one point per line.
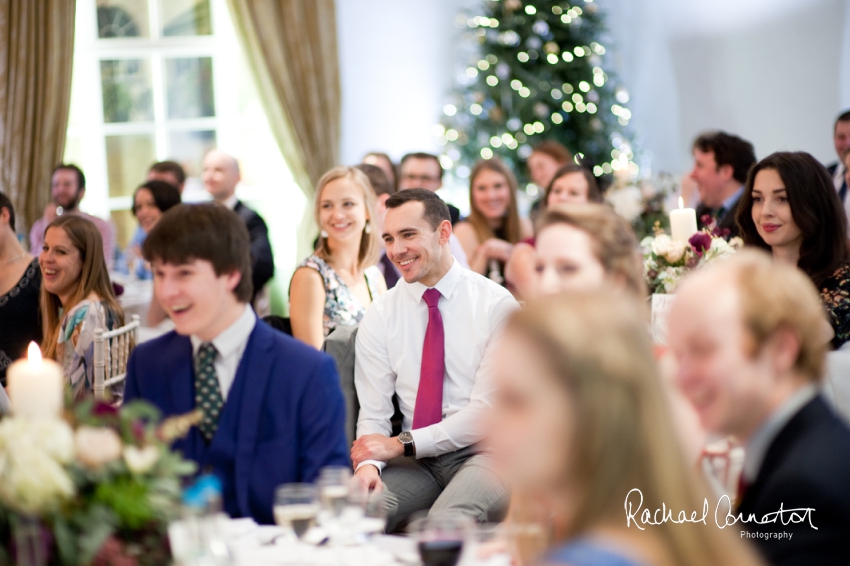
440	552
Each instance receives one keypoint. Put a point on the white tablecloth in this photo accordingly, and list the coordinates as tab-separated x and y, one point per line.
253	545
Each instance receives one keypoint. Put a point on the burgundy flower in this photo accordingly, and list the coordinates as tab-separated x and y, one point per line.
701	242
102	409
706	220
692	262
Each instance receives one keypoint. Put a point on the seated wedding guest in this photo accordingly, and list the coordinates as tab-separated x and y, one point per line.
839	169
424	171
580	427
273	410
334	286
166	171
383	190
430	341
790	208
582	247
67	189
76	298
747	336
220	176
545	160
721	163
20	282
149	202
494	225
571	184
382	160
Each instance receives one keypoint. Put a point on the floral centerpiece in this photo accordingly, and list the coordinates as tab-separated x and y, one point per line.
642	202
665	261
98	486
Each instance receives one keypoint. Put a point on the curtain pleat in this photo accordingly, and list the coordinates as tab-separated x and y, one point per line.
291	47
36	55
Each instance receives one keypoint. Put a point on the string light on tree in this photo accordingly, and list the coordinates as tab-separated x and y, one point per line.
539	70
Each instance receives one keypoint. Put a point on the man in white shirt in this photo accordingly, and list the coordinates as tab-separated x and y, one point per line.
221	175
430	341
750	338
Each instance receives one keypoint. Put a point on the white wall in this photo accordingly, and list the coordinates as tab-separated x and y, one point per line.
774	71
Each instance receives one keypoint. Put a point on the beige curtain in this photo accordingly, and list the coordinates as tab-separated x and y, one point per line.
36	54
291	47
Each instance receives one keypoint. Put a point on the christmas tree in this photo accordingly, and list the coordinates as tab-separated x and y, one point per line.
538	73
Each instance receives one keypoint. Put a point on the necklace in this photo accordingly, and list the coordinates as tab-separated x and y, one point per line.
14	259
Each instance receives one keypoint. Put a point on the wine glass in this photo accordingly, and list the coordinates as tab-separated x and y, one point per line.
440	538
334	489
296	506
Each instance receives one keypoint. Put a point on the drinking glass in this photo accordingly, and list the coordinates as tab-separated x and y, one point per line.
334	487
296	506
440	538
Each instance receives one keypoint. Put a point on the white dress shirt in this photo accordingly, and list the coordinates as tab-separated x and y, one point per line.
230	344
388	358
230	202
757	446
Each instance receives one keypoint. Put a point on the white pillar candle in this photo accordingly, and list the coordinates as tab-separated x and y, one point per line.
35	386
683	222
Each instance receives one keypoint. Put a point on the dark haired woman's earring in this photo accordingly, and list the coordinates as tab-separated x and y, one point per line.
324	234
368	228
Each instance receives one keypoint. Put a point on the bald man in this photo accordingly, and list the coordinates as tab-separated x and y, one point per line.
220	176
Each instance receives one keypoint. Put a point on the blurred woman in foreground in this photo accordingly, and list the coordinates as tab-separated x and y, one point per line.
581	430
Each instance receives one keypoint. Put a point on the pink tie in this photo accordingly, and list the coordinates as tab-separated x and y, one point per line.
429	397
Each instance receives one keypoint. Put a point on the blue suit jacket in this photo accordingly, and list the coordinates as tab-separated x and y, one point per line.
283	421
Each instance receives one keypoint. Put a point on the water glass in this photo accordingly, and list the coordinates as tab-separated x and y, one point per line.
296	506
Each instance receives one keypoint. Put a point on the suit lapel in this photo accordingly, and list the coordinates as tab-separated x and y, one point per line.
251	379
182	395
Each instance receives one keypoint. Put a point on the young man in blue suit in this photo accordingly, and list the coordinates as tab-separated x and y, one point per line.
273	408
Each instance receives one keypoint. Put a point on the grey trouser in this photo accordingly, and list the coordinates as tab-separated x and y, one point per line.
461	481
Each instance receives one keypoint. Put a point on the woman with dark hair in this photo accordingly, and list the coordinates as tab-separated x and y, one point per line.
790	208
76	298
150	201
493	227
20	281
571	184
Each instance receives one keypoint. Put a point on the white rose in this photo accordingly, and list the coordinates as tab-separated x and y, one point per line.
661	245
676	251
140	460
736	243
97	446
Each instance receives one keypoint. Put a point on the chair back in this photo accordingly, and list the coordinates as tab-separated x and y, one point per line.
111	352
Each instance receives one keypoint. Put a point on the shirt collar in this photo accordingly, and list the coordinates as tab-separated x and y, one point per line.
758	444
232	337
446	285
230	202
730	201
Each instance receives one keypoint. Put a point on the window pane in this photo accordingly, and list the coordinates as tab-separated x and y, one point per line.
185	17
122	18
127	91
189	83
189	148
127	161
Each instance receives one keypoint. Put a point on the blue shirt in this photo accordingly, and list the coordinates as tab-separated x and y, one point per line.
731	201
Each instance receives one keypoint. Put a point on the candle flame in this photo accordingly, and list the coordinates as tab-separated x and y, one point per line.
34	354
681	203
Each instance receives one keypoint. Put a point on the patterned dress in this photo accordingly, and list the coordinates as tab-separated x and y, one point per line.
76	343
342	307
835	293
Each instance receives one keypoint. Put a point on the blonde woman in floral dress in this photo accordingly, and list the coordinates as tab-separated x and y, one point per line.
334	286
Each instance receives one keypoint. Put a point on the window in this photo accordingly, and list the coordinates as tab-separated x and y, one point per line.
167	79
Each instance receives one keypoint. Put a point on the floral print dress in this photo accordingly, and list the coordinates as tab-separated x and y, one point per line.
342	307
835	293
76	343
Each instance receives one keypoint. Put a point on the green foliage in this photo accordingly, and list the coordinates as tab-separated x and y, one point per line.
540	74
128	499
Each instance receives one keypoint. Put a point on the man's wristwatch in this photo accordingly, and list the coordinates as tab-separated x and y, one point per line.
406	440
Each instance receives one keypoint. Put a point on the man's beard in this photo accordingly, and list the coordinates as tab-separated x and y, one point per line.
71	204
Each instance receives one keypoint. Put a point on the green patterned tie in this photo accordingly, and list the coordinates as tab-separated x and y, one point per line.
207	391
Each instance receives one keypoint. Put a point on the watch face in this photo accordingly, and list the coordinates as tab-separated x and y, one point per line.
405	437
